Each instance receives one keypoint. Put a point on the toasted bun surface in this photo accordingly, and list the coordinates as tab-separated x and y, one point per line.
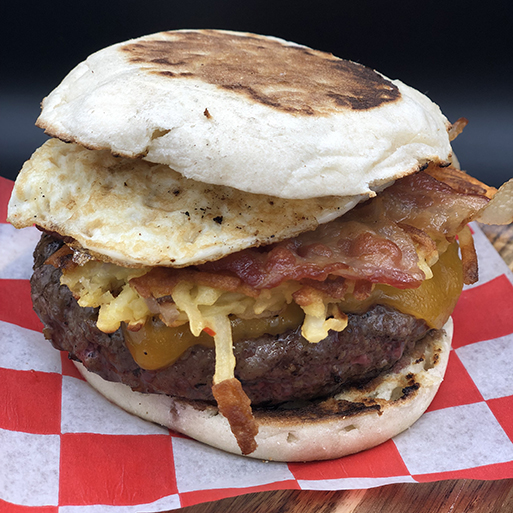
251	112
352	421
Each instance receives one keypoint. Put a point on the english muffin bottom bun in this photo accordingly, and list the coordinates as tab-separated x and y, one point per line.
251	242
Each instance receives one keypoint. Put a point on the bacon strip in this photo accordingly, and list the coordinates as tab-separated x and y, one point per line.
161	281
468	256
376	242
439	201
360	245
457	127
62	258
235	406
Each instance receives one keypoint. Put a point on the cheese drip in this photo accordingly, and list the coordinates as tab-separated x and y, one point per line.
433	301
156	345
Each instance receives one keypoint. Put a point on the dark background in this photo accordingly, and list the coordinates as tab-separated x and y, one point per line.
457	52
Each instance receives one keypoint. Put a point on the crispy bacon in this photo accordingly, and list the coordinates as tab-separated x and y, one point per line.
468	256
62	259
460	182
161	281
334	286
360	245
376	242
439	201
426	246
235	406
457	127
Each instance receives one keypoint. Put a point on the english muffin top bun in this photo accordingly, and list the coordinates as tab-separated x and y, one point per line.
255	113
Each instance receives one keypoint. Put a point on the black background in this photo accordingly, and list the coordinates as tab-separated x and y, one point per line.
457	52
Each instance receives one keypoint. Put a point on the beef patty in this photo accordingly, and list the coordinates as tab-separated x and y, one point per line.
272	368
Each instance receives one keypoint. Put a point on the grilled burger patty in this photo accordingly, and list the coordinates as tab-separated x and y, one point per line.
272	368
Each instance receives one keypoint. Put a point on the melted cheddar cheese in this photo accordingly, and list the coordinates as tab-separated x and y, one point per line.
156	345
433	301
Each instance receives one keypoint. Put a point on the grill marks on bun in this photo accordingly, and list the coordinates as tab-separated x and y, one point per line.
286	77
255	113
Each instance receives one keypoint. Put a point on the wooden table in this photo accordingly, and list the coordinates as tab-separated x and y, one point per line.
455	496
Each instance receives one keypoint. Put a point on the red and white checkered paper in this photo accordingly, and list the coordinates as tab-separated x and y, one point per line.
63	448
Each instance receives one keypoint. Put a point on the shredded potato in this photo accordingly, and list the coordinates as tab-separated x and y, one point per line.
107	286
457	127
225	361
321	316
98	284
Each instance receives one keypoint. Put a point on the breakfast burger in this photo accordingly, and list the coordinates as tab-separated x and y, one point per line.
251	242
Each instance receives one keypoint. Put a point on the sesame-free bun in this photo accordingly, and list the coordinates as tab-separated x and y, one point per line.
352	421
255	113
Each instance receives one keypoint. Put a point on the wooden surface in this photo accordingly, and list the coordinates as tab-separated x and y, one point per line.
439	497
456	496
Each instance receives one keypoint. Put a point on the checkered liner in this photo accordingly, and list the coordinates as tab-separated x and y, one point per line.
64	448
